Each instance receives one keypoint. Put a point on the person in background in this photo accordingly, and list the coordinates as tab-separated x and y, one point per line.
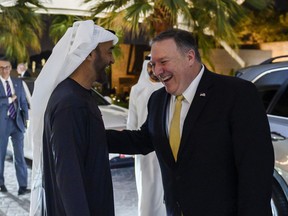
13	123
22	70
210	133
77	178
147	170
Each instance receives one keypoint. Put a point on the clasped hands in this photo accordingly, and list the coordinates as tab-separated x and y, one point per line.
13	98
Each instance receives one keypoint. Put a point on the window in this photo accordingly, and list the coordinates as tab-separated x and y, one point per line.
281	107
269	84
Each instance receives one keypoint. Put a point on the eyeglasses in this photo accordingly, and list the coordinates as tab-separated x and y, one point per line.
8	67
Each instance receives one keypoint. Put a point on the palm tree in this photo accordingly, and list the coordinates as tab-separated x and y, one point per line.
263	26
20	29
60	24
211	21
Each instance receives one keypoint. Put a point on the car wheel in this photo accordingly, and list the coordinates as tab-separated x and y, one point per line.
279	203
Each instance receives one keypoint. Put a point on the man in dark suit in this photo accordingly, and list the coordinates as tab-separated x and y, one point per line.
13	120
22	71
223	162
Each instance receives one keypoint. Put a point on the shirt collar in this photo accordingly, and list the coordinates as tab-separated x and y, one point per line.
4	81
191	90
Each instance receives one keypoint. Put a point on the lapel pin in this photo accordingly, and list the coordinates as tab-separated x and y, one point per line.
202	94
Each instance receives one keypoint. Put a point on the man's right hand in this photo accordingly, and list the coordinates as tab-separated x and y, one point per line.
14	97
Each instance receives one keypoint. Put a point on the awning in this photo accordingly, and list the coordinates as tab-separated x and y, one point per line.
67	7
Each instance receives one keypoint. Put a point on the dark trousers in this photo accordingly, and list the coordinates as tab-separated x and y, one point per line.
17	138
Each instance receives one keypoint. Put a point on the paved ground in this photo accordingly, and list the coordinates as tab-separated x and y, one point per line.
125	194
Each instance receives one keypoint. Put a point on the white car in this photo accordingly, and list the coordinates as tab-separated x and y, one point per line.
114	117
271	80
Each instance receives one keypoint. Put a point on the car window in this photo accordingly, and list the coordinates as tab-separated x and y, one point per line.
269	84
273	78
99	99
267	93
281	106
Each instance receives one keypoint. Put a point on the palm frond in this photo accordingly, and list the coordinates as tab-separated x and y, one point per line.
60	24
25	26
257	4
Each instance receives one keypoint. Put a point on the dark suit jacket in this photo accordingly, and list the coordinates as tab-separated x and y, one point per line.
27	74
21	104
225	160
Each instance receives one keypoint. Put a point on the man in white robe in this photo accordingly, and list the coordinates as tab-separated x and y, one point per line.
147	170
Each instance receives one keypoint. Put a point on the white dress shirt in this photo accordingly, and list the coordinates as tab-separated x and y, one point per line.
188	94
5	87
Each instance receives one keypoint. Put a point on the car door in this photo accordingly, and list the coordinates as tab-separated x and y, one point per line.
277	111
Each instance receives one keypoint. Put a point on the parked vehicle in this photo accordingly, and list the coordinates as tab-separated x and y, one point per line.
271	80
114	117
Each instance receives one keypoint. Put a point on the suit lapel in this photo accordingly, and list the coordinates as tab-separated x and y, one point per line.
15	85
17	92
201	97
167	151
158	115
2	90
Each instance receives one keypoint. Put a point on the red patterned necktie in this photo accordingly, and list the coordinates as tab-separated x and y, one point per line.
11	108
